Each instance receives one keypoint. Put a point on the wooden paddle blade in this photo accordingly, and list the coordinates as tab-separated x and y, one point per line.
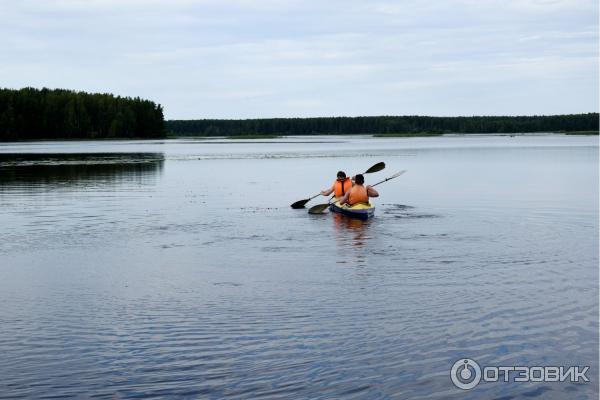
300	203
376	168
318	209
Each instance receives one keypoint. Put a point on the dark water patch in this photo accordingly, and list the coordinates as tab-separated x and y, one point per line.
171	246
181	227
257	209
397	206
405	211
431	236
537	391
59	170
256	141
233	284
247	237
416	216
52	159
276	249
292	155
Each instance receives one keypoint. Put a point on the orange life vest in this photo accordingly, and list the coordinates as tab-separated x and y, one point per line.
341	187
358	194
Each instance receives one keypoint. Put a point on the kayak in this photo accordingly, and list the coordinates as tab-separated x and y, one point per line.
360	211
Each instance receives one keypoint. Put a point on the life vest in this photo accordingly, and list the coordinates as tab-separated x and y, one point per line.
341	187
358	194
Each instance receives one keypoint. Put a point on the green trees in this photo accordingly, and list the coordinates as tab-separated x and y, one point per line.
63	114
384	124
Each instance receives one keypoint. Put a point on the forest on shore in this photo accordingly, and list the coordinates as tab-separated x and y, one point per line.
409	125
59	114
31	114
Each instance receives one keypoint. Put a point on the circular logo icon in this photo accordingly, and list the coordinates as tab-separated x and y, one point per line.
465	374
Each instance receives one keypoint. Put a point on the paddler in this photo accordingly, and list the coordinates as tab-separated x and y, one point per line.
359	193
340	187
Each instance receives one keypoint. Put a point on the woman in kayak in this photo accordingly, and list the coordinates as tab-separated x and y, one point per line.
340	187
358	193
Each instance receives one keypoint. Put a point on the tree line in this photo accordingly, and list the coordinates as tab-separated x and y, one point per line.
384	125
31	113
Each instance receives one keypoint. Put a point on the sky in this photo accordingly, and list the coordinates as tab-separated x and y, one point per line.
267	58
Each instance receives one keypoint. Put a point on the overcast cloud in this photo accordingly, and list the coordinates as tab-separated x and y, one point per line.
264	58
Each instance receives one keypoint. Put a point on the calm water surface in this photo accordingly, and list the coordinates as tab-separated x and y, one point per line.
176	268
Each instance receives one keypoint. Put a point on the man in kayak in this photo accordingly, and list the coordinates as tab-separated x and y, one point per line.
340	187
358	193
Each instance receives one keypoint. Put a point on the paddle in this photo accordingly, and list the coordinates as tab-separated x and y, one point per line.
320	208
397	174
375	168
302	203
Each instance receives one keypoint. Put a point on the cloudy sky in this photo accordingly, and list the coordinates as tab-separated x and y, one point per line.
267	58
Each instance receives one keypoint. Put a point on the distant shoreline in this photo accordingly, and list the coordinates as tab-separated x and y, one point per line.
392	135
258	137
384	125
586	133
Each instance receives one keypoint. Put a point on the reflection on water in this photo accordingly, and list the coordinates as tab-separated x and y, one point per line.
350	231
352	238
38	170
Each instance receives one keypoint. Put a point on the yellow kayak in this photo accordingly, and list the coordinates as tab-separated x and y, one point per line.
361	210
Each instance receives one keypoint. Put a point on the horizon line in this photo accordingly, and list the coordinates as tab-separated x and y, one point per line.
383	116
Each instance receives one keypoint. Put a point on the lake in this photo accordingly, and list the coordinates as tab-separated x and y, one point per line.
177	269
